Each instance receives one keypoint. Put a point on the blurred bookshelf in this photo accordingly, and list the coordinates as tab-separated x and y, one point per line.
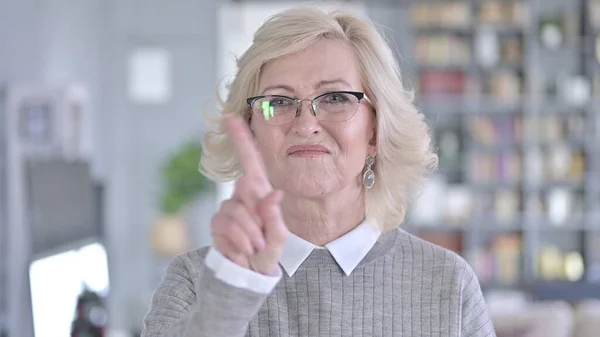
511	89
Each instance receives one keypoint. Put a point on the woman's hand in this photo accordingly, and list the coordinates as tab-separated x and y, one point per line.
248	229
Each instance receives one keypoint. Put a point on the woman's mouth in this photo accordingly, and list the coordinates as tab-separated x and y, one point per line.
308	151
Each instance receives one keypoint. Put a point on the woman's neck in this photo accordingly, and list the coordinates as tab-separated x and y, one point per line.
321	221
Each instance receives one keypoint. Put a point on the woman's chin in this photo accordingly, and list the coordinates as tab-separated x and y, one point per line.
309	189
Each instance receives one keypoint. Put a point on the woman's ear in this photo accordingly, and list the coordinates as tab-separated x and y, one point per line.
373	141
251	126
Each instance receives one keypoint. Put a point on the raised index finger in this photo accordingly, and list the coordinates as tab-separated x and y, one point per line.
248	154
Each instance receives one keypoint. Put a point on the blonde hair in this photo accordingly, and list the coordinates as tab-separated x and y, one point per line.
405	157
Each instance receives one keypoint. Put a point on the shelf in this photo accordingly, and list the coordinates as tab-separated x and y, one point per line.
491	225
434	228
480	185
574	226
497	226
444	30
497	286
550	290
502	146
442	104
502	66
442	67
576	144
476	106
490	106
549	185
563	290
559	107
498	137
501	29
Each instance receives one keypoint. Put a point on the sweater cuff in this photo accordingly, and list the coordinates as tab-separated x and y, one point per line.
239	277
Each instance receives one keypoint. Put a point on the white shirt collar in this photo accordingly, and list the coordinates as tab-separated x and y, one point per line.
347	250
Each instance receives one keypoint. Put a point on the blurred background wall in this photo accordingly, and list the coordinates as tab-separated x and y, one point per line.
59	43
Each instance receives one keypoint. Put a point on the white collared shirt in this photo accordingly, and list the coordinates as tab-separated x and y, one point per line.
347	250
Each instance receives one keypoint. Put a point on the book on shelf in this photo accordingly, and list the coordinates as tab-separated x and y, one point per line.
451	241
500	208
558	163
557	264
511	50
507	205
503	13
493	46
442	50
497	130
434	82
562	206
564	164
495	51
455	14
450	146
459	205
500	261
570	127
505	85
442	205
503	167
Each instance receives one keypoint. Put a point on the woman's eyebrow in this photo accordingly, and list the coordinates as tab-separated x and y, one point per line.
278	86
329	82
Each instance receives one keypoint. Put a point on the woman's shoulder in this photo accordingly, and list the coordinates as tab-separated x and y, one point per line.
195	256
442	261
175	293
184	269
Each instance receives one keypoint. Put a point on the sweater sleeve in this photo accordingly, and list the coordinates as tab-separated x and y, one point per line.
476	320
240	277
191	302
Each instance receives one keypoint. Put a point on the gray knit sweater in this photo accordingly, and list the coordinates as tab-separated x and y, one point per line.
404	286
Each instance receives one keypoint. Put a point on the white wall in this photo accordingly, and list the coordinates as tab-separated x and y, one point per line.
140	137
61	41
42	43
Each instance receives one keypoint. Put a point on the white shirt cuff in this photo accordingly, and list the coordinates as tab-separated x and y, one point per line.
237	276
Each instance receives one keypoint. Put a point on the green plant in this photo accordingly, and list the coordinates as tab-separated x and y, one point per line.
181	179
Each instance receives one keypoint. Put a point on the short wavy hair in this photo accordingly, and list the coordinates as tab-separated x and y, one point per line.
405	156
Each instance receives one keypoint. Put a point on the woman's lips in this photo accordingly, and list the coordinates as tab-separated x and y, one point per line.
307	151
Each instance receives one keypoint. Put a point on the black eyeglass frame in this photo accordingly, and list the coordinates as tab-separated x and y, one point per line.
359	95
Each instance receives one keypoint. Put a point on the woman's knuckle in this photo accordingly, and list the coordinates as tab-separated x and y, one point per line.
232	232
237	209
227	204
215	222
281	235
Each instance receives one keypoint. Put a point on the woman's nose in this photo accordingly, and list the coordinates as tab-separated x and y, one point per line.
307	123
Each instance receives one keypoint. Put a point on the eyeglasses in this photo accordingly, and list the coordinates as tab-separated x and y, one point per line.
337	106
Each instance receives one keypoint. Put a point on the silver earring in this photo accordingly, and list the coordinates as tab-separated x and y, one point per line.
369	175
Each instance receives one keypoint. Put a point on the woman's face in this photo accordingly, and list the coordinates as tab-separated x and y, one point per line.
324	67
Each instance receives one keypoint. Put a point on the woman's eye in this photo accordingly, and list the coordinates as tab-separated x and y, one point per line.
279	102
335	98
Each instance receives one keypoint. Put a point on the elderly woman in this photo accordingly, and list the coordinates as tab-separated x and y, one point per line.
327	149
